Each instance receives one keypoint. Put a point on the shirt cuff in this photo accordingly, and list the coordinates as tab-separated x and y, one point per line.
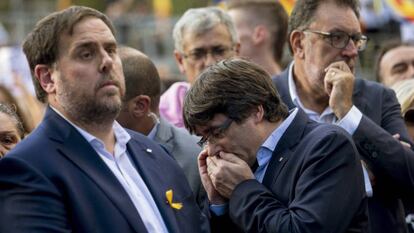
219	210
367	182
351	120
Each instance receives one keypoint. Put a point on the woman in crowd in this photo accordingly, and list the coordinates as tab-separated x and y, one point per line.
11	129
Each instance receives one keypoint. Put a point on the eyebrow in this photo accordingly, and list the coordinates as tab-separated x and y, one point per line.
403	63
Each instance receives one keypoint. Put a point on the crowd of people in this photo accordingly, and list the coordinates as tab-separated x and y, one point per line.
251	142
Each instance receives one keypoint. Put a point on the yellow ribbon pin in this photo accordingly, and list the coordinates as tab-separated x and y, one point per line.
169	195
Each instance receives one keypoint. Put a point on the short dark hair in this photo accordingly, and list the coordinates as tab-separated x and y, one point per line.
10	111
385	48
270	13
303	12
41	45
235	88
141	76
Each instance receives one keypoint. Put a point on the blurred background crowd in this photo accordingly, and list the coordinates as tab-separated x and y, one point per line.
147	25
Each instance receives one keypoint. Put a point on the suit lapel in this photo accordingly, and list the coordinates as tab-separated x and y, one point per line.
76	149
285	147
152	173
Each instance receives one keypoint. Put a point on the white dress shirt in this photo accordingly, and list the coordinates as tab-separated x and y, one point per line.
123	169
349	122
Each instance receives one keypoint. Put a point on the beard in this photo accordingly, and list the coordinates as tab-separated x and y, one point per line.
89	106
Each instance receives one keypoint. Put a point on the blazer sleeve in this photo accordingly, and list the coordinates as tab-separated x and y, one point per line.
330	179
390	161
28	201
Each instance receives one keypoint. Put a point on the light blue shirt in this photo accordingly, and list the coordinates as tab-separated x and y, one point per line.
349	122
263	156
123	169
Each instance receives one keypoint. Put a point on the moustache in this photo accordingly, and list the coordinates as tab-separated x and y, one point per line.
109	80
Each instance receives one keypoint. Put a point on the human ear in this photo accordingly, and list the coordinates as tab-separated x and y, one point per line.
179	59
297	43
140	106
43	74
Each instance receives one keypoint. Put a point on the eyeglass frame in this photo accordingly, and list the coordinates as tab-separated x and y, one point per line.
191	55
211	138
356	38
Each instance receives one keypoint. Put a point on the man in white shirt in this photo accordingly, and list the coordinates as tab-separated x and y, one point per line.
80	171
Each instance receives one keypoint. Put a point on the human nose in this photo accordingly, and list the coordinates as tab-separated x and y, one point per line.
213	148
350	49
210	59
106	62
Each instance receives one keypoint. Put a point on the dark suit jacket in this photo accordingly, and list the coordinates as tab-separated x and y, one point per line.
54	181
183	147
391	163
313	183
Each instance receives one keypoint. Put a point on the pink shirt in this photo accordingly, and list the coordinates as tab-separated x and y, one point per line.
172	101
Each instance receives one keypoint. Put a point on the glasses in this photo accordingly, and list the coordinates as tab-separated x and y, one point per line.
215	133
200	54
341	39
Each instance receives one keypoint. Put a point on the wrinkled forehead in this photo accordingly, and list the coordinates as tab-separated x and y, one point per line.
216	36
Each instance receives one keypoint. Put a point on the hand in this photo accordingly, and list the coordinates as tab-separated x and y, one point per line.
397	136
226	171
213	196
339	84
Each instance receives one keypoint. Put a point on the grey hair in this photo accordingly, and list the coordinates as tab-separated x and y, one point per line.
201	20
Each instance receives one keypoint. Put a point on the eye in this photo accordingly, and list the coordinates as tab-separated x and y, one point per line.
218	51
86	54
198	54
8	139
338	37
399	68
218	133
111	50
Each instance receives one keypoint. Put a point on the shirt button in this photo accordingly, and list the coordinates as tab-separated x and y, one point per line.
280	159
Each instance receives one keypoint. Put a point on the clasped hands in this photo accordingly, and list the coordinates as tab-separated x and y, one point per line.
221	173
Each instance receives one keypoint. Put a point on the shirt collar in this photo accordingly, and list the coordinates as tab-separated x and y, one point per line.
295	98
121	135
153	131
271	142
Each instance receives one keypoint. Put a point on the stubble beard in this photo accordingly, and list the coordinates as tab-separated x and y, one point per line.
89	109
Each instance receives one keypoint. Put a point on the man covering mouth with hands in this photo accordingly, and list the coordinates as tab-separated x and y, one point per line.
266	169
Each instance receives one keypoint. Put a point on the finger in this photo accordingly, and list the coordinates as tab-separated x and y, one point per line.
406	144
230	157
396	136
340	65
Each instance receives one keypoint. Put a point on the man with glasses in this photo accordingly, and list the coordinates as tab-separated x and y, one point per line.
325	38
266	169
202	37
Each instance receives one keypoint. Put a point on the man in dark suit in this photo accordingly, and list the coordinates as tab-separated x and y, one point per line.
305	172
325	38
140	113
80	171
